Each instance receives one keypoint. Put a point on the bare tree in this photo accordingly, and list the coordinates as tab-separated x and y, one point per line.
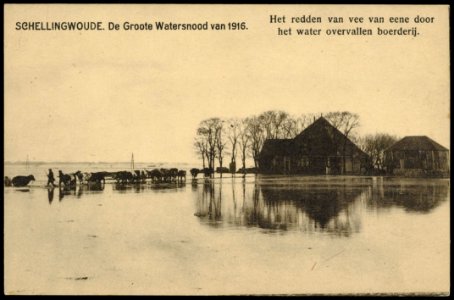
273	123
243	142
280	117
233	128
292	125
344	121
201	149
375	145
257	133
208	131
265	119
304	120
220	143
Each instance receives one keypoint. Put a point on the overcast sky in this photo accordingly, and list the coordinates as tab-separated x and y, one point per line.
98	96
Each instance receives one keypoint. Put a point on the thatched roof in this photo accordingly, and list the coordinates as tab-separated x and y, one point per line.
319	138
273	147
416	143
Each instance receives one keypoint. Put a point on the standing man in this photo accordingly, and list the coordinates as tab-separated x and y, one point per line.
51	179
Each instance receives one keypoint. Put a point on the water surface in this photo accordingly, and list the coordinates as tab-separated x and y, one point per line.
264	235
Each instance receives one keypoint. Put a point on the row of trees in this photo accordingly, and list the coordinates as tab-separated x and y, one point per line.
219	138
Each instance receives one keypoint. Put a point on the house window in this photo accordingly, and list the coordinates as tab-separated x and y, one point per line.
304	162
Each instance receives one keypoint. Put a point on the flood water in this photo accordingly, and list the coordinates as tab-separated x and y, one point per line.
253	235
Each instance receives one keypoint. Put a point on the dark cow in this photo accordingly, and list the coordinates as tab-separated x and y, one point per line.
194	172
143	176
73	182
97	177
207	172
173	174
63	178
155	175
22	180
139	176
136	176
123	177
165	175
181	175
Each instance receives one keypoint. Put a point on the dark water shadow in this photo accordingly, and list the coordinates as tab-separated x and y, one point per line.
413	197
329	207
149	187
77	192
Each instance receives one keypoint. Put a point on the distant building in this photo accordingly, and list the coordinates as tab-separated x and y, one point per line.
417	155
319	149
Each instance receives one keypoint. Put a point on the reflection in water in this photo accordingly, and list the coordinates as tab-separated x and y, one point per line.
50	194
73	191
62	192
324	206
79	190
413	197
140	188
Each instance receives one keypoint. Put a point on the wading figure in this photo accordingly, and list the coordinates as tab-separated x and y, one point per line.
50	178
22	180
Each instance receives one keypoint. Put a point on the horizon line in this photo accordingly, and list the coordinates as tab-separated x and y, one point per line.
95	162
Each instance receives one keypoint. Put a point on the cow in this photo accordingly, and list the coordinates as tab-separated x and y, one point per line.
182	175
165	175
80	176
139	176
207	172
97	177
63	178
194	172
123	177
155	175
19	181
143	176
173	174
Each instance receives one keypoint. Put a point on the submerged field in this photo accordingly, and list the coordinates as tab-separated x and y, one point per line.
258	235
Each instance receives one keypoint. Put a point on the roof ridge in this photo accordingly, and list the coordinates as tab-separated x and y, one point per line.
417	142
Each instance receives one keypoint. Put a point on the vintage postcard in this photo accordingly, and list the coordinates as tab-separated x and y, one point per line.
226	149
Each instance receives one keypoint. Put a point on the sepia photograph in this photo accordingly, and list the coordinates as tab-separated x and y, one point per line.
180	149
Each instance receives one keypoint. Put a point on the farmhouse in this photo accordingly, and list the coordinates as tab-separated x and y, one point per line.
319	149
417	155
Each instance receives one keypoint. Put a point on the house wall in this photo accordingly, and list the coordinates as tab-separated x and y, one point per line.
316	165
418	163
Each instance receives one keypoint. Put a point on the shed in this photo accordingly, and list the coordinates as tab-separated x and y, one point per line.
415	155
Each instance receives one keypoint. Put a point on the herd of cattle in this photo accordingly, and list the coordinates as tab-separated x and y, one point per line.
121	177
